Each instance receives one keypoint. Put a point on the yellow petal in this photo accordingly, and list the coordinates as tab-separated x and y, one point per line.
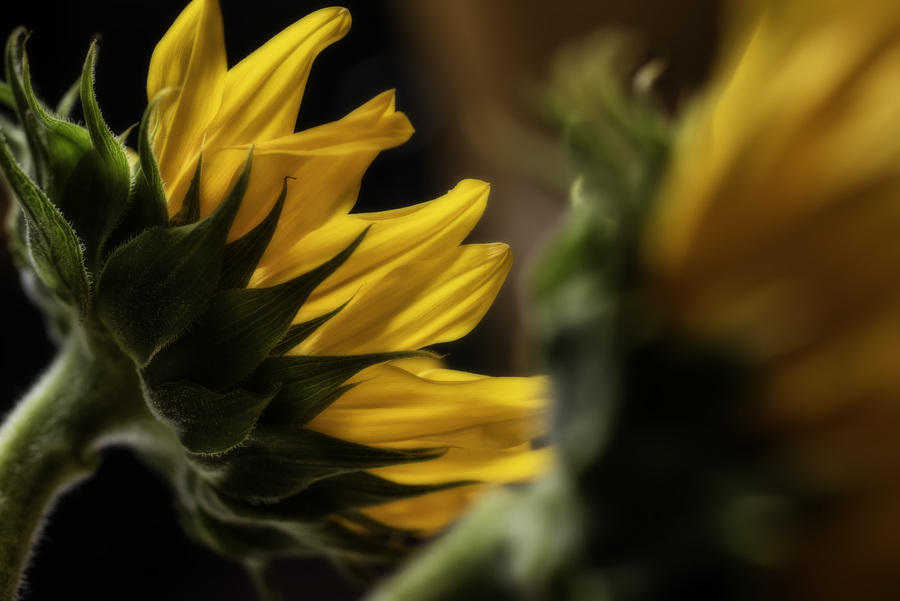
481	465
806	84
783	295
326	162
396	405
416	304
191	60
263	92
395	237
421	366
487	423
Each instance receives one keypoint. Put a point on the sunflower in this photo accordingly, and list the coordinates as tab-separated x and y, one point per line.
776	231
221	311
409	284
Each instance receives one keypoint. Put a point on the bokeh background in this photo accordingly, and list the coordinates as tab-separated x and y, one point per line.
469	75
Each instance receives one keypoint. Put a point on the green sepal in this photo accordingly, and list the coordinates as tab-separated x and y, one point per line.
243	255
273	465
146	206
206	421
214	525
299	332
148	169
338	494
122	138
17	142
317	372
238	330
96	195
309	384
57	317
246	537
332	539
53	246
190	206
298	409
16	227
105	142
157	284
25	103
7	98
57	146
242	540
69	100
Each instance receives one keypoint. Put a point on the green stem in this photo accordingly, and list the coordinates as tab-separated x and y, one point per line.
51	440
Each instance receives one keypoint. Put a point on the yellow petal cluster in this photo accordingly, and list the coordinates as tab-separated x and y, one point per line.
778	230
409	284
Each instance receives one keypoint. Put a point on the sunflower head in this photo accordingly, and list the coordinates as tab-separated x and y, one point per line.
277	338
775	234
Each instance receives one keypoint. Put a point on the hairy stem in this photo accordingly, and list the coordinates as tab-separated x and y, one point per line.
51	440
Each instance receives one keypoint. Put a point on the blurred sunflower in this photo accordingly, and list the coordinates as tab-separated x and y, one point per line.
777	231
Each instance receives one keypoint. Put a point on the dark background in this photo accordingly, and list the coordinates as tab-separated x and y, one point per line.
116	535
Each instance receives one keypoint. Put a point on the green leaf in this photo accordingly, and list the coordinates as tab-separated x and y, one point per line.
190	207
242	255
205	421
52	243
154	286
274	465
238	330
